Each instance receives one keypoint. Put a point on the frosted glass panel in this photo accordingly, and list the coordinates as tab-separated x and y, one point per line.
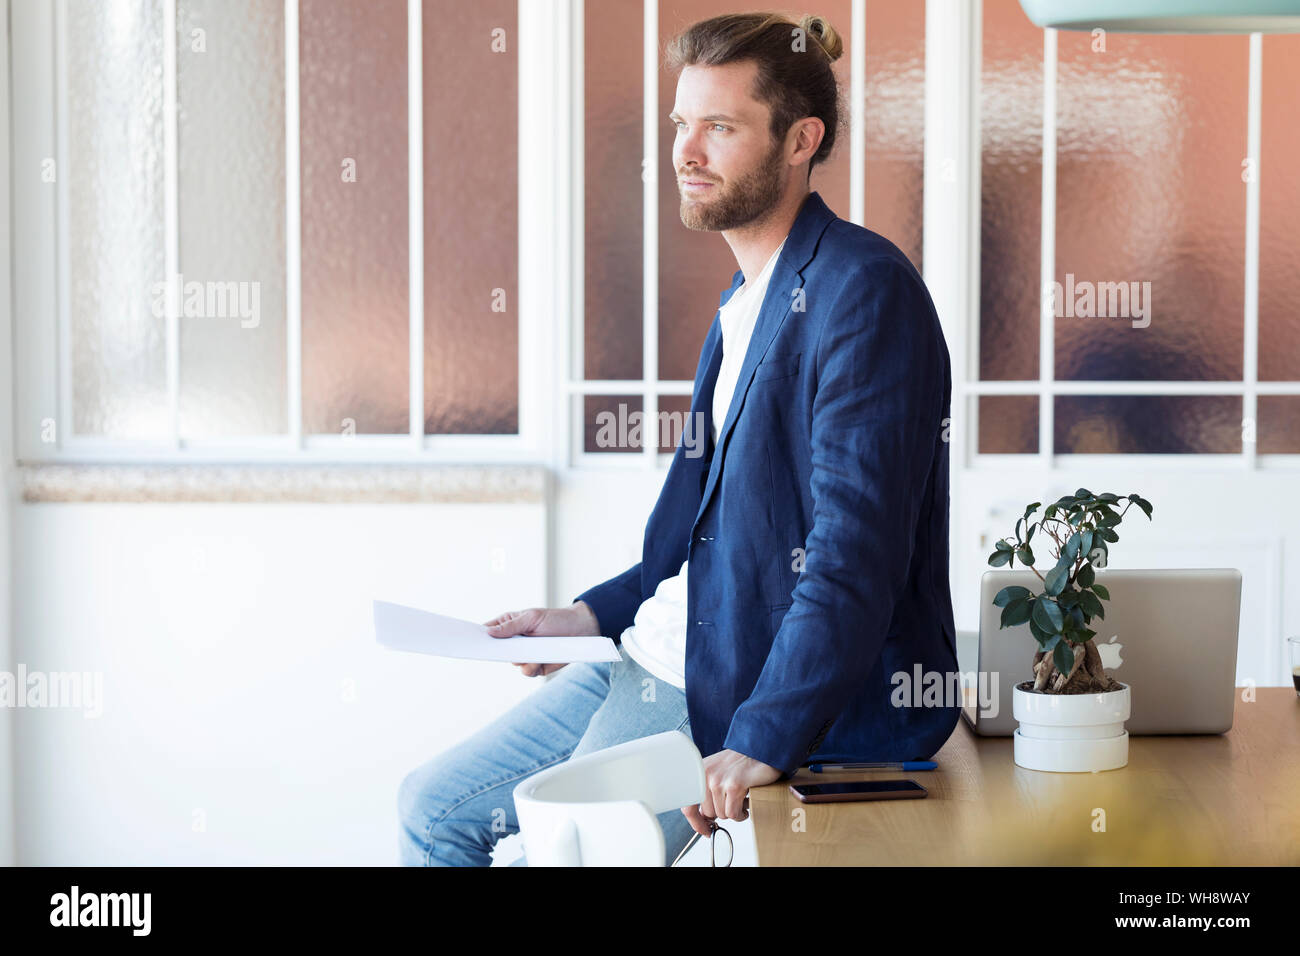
355	303
895	121
114	189
695	267
1011	111
471	217
1278	432
1008	424
1151	135
230	63
611	423
1148	424
612	218
1279	187
674	422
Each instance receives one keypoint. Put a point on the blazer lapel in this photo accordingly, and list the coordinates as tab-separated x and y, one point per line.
787	276
777	304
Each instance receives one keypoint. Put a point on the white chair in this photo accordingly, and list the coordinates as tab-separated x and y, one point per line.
599	809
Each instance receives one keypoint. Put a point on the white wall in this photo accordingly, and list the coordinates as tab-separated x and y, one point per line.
230	638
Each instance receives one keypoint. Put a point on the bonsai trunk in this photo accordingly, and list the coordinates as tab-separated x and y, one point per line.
1086	676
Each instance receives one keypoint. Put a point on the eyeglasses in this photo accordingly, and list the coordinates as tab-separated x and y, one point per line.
714	830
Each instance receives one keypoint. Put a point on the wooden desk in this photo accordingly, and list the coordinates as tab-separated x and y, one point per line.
1226	799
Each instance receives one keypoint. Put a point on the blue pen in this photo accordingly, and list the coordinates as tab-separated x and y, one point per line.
905	765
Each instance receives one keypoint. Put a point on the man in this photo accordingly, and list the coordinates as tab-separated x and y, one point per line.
788	574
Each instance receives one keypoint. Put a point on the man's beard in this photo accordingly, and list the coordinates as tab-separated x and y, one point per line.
746	199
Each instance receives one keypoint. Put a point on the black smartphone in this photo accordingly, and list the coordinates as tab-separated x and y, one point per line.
858	790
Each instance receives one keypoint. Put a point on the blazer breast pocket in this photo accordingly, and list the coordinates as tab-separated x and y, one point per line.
776	367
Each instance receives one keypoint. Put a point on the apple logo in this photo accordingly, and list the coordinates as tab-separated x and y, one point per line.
1109	653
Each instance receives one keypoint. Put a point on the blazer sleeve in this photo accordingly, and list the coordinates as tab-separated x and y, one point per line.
876	421
615	602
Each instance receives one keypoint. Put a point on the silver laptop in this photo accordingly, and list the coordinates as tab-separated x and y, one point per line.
1171	635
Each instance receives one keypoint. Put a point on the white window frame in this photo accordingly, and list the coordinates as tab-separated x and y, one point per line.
951	254
42	369
551	279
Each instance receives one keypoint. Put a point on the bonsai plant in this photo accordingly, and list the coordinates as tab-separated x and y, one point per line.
1082	528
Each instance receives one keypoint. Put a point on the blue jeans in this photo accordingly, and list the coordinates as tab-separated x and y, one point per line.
455	808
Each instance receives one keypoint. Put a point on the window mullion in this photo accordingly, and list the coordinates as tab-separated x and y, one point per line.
1047	253
650	238
293	224
171	221
415	176
1250	349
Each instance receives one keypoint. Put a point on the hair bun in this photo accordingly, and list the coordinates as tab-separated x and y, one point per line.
824	33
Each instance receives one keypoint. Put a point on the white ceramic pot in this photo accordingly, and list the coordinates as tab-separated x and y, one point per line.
1071	733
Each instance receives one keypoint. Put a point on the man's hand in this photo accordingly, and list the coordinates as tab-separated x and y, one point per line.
727	779
575	620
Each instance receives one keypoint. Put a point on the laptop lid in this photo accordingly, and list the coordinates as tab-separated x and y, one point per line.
1170	634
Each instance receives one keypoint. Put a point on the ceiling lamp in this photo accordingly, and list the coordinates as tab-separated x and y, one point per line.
1167	16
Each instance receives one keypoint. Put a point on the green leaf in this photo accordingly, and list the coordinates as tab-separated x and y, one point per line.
1107	535
1048	616
1086	575
1026	555
1030	510
999	558
1011	592
1068	598
1049	644
1102	591
1107	498
1041	635
1083	493
1063	656
1002	546
1029	533
1017	612
1072	546
1141	503
1091	606
1056	578
1049	512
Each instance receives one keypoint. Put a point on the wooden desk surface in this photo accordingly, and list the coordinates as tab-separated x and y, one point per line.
1224	799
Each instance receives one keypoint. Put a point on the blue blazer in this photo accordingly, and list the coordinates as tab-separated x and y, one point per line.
817	529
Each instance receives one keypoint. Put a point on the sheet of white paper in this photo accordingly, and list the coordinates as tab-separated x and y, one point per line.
402	628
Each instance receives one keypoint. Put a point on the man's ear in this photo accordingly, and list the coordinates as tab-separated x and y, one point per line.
807	136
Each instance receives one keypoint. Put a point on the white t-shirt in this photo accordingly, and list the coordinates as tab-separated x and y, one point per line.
657	638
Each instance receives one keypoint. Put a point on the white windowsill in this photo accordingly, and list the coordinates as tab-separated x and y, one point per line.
342	484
